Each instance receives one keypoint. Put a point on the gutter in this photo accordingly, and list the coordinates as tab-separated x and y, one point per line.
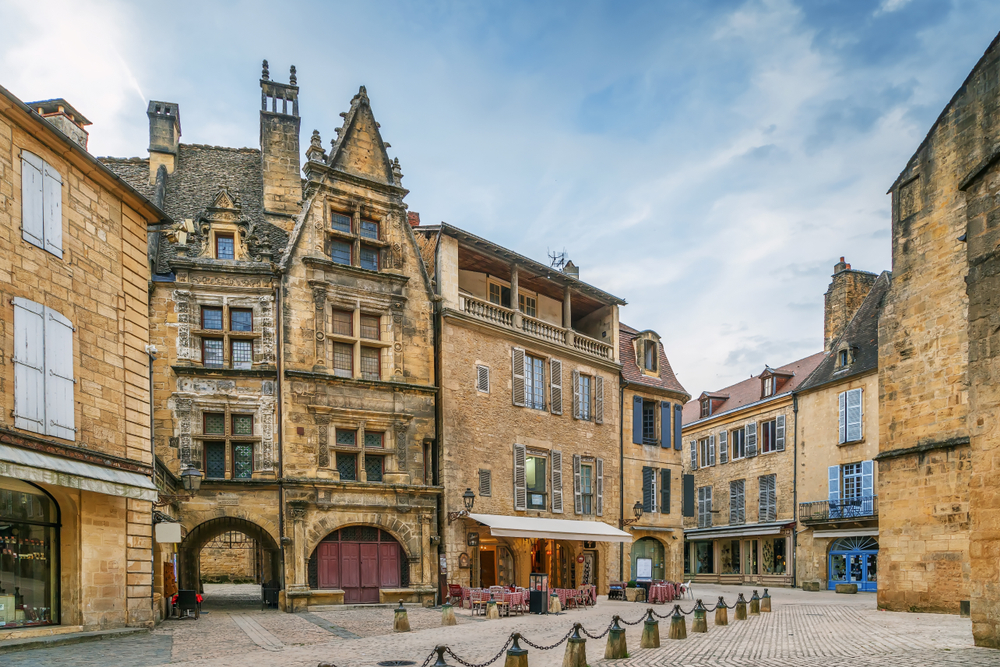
621	471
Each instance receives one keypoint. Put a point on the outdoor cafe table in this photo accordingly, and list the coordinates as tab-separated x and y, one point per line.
662	592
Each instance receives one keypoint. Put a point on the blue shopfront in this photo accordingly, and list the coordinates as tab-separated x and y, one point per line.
854	560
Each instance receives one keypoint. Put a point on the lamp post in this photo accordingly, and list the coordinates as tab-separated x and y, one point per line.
190	481
469	498
637	511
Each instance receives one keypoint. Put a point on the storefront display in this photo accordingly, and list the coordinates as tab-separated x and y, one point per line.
28	555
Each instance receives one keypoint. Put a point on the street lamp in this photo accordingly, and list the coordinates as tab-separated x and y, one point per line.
469	498
190	481
637	511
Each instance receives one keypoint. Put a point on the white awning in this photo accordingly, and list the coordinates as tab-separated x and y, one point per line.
751	530
847	532
550	529
35	466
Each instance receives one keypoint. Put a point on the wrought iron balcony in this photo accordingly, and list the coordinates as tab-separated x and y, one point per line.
853	509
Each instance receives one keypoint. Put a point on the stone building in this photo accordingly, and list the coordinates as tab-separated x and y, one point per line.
740	521
652	451
76	488
837	439
939	513
528	361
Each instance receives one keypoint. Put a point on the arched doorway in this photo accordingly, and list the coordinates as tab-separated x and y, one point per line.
267	559
29	555
650	551
360	560
854	560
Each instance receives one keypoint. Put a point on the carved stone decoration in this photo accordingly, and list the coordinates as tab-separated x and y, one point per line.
264	459
400	446
258	244
182	306
268	354
182	407
297	510
319	300
324	440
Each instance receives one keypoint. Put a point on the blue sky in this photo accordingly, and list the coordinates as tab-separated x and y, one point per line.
707	161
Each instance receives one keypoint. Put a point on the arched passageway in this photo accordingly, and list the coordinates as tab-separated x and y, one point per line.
267	559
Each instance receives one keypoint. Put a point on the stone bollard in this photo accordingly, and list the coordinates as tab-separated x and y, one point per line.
516	656
678	626
765	602
440	660
492	612
650	632
700	623
616	649
555	606
721	612
400	621
448	614
741	608
755	604
576	649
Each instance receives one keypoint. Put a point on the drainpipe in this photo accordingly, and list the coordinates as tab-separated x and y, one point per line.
795	484
279	329
151	353
621	473
437	447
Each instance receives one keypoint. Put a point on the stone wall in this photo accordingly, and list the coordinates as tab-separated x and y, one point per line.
847	291
224	563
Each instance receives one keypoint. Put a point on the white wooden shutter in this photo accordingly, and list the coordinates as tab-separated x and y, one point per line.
833	474
711	450
867	479
694	455
29	365
577	399
52	218
577	492
853	415
555	386
843	417
600	487
32	199
779	433
598	399
520	486
482	379
557	487
517	371
723	446
751	439
59	382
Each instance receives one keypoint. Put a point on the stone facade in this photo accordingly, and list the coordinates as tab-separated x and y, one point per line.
847	291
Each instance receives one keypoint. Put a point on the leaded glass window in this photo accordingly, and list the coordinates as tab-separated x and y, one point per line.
370	363
369	258
340	252
241	319
369	229
373	468
211	352
242	461
242	353
347	465
225	247
343	323
347	438
343	359
340	222
370	327
215	460
215	423
211	318
242	424
373	439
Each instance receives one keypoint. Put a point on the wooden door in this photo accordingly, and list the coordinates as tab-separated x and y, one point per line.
388	565
328	565
487	569
350	571
369	572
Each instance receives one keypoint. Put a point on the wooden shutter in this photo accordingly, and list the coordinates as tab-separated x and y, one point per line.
854	415
767	501
29	365
555	386
833	488
687	495
751	439
678	425
694	455
598	399
842	400
664	425
577	399
32	200
867	479
665	490
711	450
517	370
600	487
779	433
520	485
636	420
59	382
577	491
733	495
648	499
485	482
772	497
557	487
701	507
723	446
52	217
742	501
483	379
708	506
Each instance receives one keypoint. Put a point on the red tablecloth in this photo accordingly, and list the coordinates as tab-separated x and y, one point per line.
662	593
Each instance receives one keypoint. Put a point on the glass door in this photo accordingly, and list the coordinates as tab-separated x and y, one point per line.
749	559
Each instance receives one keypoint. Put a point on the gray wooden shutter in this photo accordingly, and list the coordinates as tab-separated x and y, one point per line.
577	491
779	433
577	399
678	425
557	487
687	495
701	506
600	487
59	383
648	499
711	450
665	490
694	455
29	365
767	502
636	420
833	488
598	399
842	400
733	495
723	446
854	415
32	200
762	499
664	425
555	386
517	369
52	217
772	498
483	379
751	439
485	483
867	479
742	501
520	485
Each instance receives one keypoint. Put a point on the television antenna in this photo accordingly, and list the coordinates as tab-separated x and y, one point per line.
557	260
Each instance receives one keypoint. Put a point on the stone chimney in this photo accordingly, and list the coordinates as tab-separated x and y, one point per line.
571	269
279	147
413	218
847	291
65	118
164	136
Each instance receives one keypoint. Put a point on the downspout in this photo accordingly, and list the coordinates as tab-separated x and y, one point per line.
280	324
621	473
438	415
795	485
151	352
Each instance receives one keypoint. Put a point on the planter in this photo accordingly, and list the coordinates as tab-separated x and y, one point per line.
847	588
630	593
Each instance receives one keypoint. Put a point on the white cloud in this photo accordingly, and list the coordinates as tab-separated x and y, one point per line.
889	6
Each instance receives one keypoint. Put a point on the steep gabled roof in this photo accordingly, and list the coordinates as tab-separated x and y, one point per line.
359	149
634	375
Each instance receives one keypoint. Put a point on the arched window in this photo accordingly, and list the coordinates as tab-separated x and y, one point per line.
29	555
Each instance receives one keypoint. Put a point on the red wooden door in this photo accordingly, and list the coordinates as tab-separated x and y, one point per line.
388	565
328	565
369	572
350	571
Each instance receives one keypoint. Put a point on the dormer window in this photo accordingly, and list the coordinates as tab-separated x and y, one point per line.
650	355
846	356
768	388
225	246
706	407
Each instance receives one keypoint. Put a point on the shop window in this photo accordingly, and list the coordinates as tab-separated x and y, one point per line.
772	555
29	567
704	558
729	557
535	478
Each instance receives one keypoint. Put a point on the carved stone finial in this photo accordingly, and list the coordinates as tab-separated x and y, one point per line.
396	171
264	74
291	76
315	140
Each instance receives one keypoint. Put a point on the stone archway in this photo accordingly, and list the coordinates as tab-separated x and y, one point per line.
189	576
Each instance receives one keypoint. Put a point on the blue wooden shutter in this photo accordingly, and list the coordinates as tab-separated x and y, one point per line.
867	479
637	420
678	425
834	483
665	490
29	365
648	500
687	495
664	425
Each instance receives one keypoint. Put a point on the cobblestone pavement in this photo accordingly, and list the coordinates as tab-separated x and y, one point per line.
805	629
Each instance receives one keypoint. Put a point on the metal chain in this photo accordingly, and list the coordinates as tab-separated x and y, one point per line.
481	664
429	658
584	630
547	648
643	618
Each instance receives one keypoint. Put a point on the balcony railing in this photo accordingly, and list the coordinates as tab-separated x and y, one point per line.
505	317
865	507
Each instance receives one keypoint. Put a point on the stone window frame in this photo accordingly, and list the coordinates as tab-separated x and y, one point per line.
388	427
356	340
590	462
190	333
640	343
229	409
763	426
358	212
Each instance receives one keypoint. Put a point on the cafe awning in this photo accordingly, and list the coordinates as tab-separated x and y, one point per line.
550	529
35	466
749	530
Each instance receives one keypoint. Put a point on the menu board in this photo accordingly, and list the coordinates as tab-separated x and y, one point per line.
643	568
